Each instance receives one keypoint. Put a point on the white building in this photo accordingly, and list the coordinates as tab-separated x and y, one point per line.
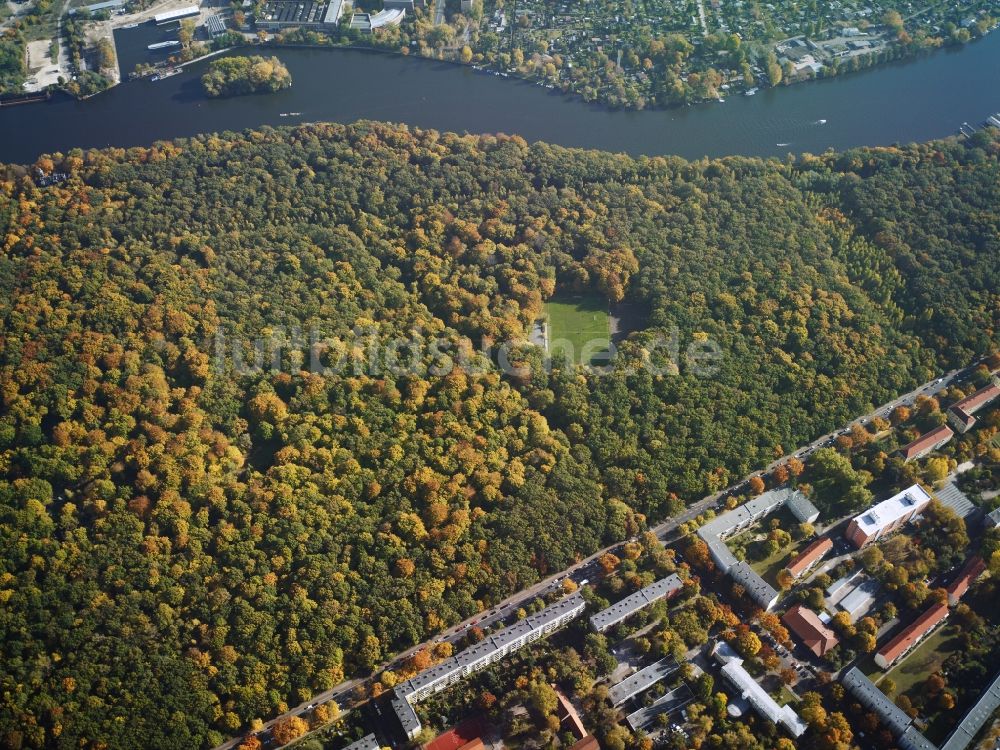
731	666
887	516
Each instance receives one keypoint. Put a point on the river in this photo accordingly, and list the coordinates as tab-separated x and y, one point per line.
915	100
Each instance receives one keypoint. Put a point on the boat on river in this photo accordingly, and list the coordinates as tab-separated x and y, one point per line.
166	74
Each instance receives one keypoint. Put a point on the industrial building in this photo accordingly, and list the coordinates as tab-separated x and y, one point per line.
887	516
488	651
109	5
731	666
215	26
621	611
311	14
170	16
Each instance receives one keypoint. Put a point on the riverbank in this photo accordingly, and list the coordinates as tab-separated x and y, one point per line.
913	100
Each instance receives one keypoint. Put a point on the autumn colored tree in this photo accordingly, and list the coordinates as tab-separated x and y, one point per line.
288	728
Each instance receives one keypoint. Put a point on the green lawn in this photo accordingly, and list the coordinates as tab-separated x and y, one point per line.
769	567
923	661
579	327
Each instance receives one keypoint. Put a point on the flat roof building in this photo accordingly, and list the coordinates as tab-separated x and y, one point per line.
671	702
926	443
731	666
842	586
622	610
806	624
903	643
809	556
176	15
860	599
334	10
642	680
887	516
98	7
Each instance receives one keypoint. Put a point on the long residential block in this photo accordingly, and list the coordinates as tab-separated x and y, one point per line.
876	701
903	643
926	443
491	649
622	610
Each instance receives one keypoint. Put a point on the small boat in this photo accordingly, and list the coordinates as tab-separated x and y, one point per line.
163	45
166	74
821	122
750	92
130	26
283	114
721	100
294	114
782	145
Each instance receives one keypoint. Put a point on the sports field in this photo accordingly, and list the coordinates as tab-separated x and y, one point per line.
578	327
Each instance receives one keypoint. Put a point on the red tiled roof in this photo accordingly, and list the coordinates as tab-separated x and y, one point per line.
973	568
977	400
806	624
944	432
460	737
587	743
913	632
809	555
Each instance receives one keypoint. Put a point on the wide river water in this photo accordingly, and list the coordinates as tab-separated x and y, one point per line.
925	98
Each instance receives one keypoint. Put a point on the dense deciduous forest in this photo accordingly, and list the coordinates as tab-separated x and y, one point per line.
189	544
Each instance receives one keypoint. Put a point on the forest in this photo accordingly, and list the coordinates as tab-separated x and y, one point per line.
233	76
196	534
